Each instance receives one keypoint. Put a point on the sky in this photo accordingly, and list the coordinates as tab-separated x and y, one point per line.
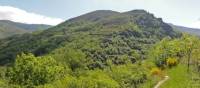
52	12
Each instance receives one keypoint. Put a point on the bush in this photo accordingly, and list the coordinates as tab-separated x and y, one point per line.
128	76
90	79
97	79
30	71
156	71
172	62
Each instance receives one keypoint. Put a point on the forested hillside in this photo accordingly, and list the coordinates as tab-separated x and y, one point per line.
9	28
101	49
100	35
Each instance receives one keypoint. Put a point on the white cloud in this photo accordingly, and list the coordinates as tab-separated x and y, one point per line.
19	15
195	24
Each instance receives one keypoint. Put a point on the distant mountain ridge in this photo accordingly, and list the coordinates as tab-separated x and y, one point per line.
9	28
193	31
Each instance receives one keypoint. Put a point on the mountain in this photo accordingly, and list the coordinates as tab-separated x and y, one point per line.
100	35
9	28
194	31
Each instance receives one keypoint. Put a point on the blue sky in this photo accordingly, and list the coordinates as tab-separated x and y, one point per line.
180	12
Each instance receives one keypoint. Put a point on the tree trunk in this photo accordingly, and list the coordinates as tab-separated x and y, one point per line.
135	84
188	64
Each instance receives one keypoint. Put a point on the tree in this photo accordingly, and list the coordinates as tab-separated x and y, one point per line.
74	59
30	71
167	48
190	44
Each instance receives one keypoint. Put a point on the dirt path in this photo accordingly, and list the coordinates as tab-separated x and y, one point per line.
161	82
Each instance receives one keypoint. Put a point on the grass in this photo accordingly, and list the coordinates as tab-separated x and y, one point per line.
180	78
151	82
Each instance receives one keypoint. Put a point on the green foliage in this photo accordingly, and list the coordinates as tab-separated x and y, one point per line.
165	49
31	71
170	51
74	59
128	76
97	79
90	79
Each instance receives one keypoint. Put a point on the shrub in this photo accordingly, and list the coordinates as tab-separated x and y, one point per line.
97	79
128	76
90	79
156	71
31	71
172	62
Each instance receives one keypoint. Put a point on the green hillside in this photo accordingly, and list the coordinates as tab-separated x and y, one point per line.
100	35
101	49
9	28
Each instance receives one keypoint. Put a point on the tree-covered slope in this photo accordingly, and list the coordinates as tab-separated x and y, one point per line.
9	28
100	35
